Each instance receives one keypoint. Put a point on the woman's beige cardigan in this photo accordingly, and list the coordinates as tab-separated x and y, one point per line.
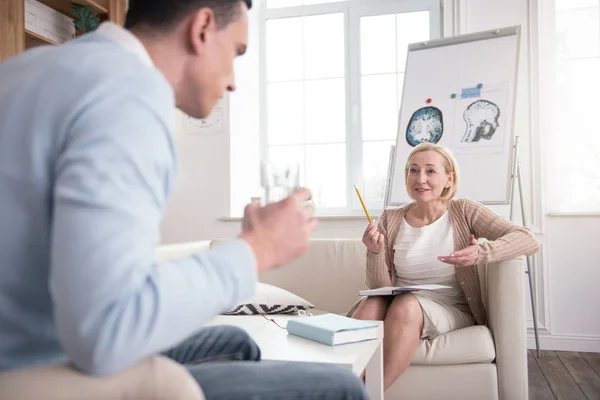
504	240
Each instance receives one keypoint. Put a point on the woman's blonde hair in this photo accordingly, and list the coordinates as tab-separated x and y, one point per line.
450	166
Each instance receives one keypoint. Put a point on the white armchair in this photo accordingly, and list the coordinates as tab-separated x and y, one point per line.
478	362
155	378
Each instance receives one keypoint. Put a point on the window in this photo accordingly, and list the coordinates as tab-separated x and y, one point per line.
331	82
573	80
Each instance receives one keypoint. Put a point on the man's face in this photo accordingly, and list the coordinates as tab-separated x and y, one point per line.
210	73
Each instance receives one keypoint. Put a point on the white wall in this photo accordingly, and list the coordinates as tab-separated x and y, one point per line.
567	268
574	276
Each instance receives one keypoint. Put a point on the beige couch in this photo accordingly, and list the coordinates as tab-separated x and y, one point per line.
477	363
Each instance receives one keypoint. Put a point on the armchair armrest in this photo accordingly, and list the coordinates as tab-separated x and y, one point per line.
507	321
155	378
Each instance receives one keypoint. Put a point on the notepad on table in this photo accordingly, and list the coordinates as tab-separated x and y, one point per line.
332	329
394	290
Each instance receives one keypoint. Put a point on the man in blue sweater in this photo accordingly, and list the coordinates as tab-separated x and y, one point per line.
86	164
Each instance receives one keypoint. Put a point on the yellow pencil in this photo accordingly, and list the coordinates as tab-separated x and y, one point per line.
363	203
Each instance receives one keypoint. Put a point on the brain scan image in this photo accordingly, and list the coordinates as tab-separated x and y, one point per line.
481	117
425	125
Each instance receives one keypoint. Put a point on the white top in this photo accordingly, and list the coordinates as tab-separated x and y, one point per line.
416	253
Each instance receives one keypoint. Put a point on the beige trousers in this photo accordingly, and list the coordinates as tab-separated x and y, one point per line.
156	378
439	318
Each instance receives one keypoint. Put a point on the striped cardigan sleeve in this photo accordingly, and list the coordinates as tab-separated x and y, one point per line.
378	265
504	239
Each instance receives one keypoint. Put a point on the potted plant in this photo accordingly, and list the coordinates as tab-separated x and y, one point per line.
85	19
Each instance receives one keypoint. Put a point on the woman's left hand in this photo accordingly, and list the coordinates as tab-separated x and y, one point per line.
465	257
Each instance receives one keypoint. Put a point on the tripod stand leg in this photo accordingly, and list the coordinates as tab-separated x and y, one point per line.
531	291
533	309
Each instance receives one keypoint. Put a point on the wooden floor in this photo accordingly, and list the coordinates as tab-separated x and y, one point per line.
564	376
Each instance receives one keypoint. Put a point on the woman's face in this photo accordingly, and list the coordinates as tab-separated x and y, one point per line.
427	177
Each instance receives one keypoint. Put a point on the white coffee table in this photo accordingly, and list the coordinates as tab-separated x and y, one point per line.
277	345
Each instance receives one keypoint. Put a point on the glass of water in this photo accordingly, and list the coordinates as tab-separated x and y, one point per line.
279	180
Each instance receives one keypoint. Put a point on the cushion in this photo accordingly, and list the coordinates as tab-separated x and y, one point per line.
473	344
329	274
269	299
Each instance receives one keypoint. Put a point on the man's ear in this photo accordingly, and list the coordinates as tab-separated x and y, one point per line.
201	26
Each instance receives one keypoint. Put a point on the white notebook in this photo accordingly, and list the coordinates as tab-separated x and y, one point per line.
393	290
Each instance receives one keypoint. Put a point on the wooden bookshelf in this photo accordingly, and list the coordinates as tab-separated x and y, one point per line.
32	39
14	38
100	7
12	27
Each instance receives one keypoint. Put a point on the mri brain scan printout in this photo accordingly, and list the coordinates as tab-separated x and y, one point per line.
481	117
425	125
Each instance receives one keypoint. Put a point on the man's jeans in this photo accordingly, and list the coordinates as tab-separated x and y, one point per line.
223	359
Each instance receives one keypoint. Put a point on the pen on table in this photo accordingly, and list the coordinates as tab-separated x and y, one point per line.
363	203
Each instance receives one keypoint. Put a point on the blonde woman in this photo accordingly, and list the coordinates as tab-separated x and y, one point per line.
432	240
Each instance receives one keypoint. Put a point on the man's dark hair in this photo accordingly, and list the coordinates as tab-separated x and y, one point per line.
164	14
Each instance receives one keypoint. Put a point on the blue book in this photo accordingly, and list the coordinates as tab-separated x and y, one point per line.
332	329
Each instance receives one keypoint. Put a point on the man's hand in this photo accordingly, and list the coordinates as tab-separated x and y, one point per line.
279	232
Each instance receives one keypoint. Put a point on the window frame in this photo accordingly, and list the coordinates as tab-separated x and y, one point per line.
353	11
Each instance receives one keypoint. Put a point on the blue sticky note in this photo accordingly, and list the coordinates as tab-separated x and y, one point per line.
467	93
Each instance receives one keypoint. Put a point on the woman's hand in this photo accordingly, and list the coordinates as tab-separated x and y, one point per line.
374	240
465	257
